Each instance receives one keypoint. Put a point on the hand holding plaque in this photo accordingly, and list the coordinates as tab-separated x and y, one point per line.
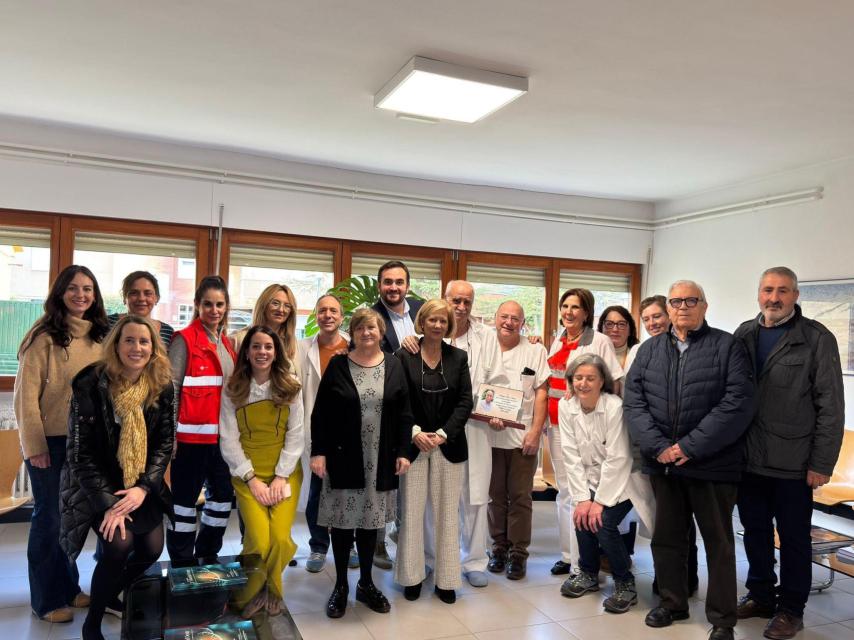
498	402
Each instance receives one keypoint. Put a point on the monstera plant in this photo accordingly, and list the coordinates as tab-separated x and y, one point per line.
353	292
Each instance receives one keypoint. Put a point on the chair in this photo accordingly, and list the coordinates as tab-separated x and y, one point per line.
11	460
840	489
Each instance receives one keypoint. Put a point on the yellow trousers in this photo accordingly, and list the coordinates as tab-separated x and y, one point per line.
267	534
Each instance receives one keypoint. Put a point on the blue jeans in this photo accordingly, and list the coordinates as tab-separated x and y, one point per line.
608	537
53	577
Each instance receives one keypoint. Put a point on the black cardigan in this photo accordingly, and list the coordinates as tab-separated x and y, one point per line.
92	474
336	425
456	406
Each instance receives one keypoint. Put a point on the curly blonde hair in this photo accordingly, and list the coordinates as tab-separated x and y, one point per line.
158	371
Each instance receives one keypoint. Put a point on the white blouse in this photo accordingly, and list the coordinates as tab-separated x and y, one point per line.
596	450
229	433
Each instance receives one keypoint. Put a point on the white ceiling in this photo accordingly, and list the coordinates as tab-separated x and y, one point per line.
640	100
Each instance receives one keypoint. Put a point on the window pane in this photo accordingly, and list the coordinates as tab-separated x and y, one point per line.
309	274
608	289
494	285
24	284
425	275
172	262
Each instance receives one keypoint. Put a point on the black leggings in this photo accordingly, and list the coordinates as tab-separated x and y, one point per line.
342	542
121	562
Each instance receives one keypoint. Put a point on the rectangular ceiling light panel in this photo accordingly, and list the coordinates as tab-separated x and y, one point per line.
446	91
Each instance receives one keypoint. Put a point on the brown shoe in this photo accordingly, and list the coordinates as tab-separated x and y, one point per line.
750	608
81	601
783	626
65	614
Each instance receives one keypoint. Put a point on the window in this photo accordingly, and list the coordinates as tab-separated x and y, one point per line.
185	314
425	276
172	261
495	284
24	284
251	269
608	289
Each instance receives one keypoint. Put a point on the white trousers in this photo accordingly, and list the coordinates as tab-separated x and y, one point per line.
431	475
563	501
474	531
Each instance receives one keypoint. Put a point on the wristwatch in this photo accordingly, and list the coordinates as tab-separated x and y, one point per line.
248	475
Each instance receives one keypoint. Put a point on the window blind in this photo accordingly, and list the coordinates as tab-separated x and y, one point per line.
618	282
25	237
138	245
290	259
519	276
421	268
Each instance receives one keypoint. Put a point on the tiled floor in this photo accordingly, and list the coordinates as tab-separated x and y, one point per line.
530	609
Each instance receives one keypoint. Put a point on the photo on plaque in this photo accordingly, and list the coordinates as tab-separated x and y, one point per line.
498	402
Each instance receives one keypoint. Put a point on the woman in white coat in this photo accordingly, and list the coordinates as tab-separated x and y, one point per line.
598	460
577	338
313	355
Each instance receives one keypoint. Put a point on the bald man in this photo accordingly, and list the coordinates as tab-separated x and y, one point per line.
514	451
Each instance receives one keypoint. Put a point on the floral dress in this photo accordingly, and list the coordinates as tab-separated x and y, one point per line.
362	508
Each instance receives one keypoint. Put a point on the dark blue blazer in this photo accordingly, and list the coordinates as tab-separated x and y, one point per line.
390	343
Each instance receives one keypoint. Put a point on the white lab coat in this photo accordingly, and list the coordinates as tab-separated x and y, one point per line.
485	366
308	358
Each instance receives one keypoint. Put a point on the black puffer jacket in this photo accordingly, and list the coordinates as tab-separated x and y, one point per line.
800	403
703	401
92	474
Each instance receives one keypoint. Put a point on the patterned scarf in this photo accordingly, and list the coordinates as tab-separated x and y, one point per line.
133	441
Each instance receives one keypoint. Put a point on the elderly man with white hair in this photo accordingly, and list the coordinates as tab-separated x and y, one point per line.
688	402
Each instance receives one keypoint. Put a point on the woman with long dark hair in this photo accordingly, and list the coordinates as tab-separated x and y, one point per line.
262	439
63	341
202	360
122	430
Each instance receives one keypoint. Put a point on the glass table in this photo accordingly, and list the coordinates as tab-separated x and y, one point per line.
151	608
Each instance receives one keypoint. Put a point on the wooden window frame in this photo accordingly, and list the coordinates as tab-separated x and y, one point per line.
401	252
279	241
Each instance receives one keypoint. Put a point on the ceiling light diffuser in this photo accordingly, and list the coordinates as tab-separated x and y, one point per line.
445	91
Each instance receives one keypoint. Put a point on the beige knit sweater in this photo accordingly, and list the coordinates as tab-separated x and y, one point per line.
43	384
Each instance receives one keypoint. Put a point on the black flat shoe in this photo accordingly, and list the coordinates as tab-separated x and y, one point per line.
412	592
372	598
337	604
448	596
661	617
560	568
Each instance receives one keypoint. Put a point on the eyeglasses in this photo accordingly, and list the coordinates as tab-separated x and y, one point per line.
440	372
690	303
621	324
278	304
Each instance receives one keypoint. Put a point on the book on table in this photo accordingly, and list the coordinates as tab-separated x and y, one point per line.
242	630
206	577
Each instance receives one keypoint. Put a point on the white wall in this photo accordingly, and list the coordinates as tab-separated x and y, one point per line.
38	185
727	255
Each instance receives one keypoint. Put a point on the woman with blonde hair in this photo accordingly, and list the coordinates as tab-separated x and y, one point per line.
121	430
441	398
276	309
261	438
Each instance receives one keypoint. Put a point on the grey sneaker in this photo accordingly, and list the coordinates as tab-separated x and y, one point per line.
625	595
578	584
315	562
353	561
